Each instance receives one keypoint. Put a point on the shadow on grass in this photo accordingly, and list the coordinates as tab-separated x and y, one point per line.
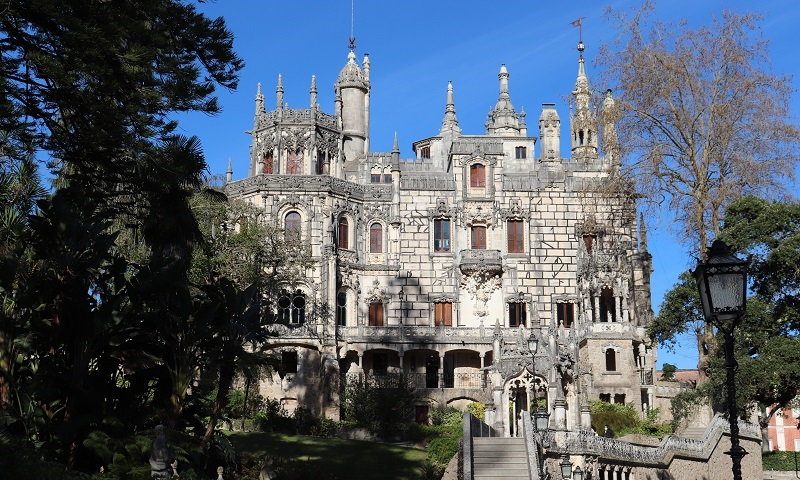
341	458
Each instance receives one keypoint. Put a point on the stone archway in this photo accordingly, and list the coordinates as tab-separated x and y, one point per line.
523	393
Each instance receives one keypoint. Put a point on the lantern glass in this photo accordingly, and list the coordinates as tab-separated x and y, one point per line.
533	344
542	420
577	474
722	283
566	467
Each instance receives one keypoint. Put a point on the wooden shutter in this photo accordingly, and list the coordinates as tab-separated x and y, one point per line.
477	175
344	231
516	238
376	314
376	238
443	314
479	238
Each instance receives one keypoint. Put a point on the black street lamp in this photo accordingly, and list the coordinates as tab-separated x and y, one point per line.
402	296
541	417
722	282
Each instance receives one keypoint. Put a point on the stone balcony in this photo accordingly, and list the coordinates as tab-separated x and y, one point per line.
422	334
481	261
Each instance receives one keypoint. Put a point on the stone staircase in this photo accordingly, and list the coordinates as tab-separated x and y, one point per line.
495	458
695	433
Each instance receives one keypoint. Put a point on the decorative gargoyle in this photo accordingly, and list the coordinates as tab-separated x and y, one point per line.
565	365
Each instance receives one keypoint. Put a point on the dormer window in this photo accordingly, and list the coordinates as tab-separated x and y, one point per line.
425	152
477	175
520	152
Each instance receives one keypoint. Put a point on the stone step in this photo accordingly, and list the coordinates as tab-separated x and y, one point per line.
498	448
498	440
500	472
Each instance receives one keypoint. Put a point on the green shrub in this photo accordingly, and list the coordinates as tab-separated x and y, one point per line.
783	461
236	405
446	416
624	419
274	418
386	409
478	410
444	443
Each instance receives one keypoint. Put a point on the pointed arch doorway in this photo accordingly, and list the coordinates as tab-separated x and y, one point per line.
522	394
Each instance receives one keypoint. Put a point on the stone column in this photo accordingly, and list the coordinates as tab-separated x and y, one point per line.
625	312
400	356
441	369
618	313
559	414
360	361
586	417
597	308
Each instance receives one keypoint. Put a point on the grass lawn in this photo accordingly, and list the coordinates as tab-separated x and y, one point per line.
342	458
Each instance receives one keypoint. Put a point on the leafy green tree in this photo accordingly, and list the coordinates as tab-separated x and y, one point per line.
668	371
767	343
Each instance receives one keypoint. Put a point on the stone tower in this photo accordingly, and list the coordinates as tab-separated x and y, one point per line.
352	108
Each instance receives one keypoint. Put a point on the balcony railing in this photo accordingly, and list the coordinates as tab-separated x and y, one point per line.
419	380
422	334
481	261
646	376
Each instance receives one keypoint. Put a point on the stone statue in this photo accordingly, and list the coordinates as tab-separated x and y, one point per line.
161	456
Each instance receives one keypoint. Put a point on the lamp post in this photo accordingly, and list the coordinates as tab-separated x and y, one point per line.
402	296
541	418
722	282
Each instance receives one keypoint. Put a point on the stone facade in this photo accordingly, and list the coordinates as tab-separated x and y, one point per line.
442	265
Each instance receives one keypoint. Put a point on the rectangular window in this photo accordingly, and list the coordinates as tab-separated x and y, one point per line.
619	398
477	175
441	235
516	314
443	314
376	314
520	152
425	152
387	178
289	362
478	237
605	397
516	237
376	238
375	178
565	312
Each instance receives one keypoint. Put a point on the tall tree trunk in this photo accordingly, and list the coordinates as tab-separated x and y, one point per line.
226	373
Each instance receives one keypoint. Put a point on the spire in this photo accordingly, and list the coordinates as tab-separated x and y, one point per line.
395	144
259	103
313	92
279	92
583	121
450	122
503	119
229	172
642	234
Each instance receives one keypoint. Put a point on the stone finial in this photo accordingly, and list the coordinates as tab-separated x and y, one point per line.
450	121
220	471
279	92
229	172
503	119
395	154
642	234
313	92
395	144
365	65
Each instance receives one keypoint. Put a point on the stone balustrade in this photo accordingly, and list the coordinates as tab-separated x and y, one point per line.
476	260
307	184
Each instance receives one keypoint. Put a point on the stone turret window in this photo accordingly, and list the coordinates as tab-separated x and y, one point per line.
294	162
515	232
441	235
477	175
478	237
516	314
376	238
580	137
321	161
605	397
267	163
565	313
589	137
443	314
619	398
288	362
520	152
608	309
611	360
375	314
344	234
292	226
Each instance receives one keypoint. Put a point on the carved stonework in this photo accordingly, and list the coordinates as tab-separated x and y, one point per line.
475	212
514	211
480	287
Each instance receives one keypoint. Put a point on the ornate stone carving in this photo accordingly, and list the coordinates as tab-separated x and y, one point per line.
480	286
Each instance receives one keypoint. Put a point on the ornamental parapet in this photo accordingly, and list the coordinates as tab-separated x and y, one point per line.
309	184
586	442
481	261
617	330
421	334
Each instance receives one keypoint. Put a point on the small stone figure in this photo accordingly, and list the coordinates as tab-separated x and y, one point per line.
607	432
161	456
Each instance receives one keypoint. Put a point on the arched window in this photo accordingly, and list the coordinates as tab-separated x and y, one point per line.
321	161
376	314
344	233
477	175
580	137
611	360
341	308
292	226
425	152
376	238
267	166
292	307
294	162
589	136
608	308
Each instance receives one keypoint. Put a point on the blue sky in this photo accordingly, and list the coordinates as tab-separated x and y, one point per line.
416	46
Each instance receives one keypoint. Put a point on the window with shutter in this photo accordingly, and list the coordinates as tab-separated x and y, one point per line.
565	313
376	314
443	314
478	237
267	163
477	175
516	237
344	234
376	238
516	314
